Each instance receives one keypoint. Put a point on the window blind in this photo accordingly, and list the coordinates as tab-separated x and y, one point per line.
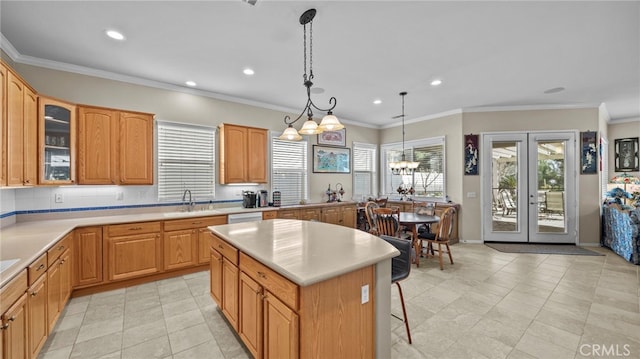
364	170
289	170
428	179
186	160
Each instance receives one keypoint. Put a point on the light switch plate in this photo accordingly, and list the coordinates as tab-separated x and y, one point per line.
364	294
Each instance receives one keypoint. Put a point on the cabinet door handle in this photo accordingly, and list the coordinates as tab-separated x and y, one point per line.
262	275
220	246
40	268
33	294
4	326
135	228
196	222
13	317
61	248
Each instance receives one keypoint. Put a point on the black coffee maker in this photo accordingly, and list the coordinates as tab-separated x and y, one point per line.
249	199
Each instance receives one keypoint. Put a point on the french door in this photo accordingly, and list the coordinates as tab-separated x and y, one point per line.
529	187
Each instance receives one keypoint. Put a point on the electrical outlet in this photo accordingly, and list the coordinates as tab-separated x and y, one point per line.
119	196
59	198
364	296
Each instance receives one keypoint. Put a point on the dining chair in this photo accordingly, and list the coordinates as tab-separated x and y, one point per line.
508	204
400	269
382	202
371	217
387	221
440	236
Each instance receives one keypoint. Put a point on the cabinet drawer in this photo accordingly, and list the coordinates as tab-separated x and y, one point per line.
228	251
13	290
189	223
269	214
133	228
58	248
275	283
37	268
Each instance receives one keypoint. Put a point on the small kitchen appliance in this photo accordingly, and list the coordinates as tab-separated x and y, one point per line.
276	198
249	199
263	198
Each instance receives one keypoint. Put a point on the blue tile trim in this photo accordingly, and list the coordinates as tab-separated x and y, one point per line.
101	208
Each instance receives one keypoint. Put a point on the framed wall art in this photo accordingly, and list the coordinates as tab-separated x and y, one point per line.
333	138
626	159
589	154
471	154
331	159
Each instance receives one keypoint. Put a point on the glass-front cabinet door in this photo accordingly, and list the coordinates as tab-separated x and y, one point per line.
57	141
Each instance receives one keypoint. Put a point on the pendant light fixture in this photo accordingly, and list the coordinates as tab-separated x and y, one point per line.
403	167
310	127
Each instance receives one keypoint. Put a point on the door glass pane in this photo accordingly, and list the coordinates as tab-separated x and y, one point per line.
504	185
551	186
57	130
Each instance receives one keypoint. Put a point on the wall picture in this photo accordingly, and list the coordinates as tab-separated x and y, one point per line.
626	159
471	154
589	154
333	138
331	159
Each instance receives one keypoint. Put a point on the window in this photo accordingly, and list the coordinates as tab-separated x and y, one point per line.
364	171
289	170
428	180
186	160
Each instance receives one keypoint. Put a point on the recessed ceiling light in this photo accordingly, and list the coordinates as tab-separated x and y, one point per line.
554	90
191	83
116	35
248	72
377	101
436	82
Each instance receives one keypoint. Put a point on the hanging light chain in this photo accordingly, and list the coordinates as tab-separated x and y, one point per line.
311	50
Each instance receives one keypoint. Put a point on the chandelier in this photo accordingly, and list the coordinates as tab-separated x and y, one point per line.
310	127
403	167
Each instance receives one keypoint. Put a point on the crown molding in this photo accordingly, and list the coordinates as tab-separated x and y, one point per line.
531	107
423	118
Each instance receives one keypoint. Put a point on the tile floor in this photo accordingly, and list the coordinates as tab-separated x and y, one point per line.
488	305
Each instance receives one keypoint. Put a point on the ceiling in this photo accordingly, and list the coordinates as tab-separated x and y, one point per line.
489	55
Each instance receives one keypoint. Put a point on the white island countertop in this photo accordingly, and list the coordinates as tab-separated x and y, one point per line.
306	252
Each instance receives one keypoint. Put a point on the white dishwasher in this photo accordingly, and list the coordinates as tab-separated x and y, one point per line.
244	217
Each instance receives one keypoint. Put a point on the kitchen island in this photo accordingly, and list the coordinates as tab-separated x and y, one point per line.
304	289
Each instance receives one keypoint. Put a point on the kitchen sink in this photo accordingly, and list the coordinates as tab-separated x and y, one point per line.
208	212
5	264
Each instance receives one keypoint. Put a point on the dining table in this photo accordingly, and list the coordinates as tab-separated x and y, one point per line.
413	220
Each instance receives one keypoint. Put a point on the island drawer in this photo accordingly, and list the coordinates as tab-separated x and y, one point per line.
275	283
189	223
56	251
11	291
37	268
118	230
228	251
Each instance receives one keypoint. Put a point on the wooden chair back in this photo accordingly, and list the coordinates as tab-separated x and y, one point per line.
445	227
371	217
387	221
382	202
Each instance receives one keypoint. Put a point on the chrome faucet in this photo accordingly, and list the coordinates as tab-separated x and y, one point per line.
187	205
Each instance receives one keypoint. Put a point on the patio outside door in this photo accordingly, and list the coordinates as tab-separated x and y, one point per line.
529	187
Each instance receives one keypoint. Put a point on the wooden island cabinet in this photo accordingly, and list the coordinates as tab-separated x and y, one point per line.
317	309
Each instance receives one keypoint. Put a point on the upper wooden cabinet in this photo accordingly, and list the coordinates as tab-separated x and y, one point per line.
243	154
114	147
19	131
57	139
3	125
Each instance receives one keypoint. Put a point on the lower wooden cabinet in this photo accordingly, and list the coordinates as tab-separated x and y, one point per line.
87	252
180	249
13	343
289	214
250	321
308	214
332	215
215	278
343	213
59	287
37	327
134	256
280	329
230	292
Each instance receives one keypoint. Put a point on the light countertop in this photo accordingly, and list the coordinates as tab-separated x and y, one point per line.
306	252
26	241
